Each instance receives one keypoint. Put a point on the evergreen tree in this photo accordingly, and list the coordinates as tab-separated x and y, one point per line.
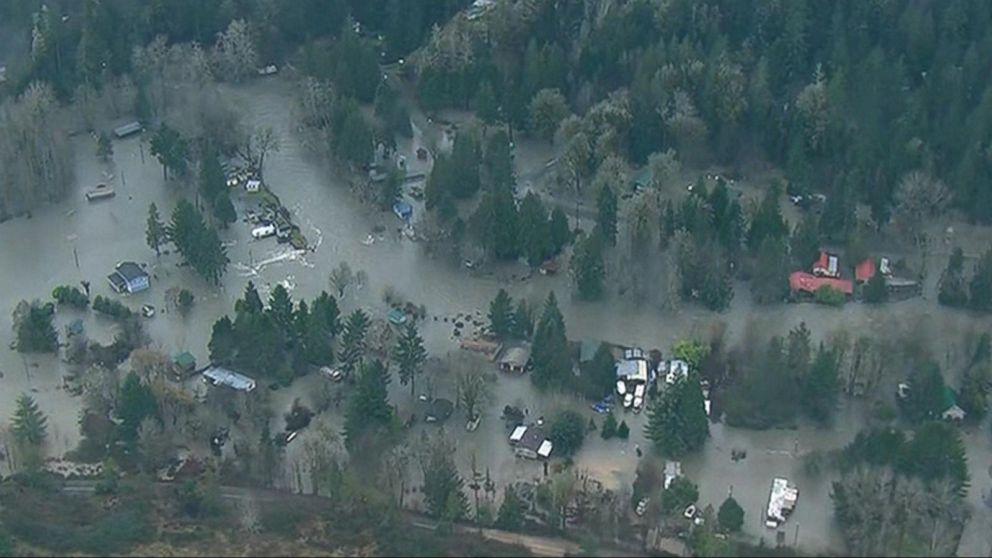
155	231
533	235
805	242
251	302
198	244
325	307
925	400
171	150
223	341
33	324
770	281
224	209
135	402
679	495
317	339
497	161
559	231
281	308
510	516
876	291
937	452
623	431
588	269
443	485
390	189
501	314
212	183
496	223
606	214
410	356
352	349
523	324
369	416
547	109
980	289
731	515
485	104
567	431
677	422
952	289
767	221
599	374
29	424
552	365
609	429
819	387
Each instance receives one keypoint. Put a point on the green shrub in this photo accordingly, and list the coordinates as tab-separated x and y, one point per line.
829	296
111	308
185	300
70	296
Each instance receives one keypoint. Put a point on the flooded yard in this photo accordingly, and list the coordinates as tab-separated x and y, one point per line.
75	240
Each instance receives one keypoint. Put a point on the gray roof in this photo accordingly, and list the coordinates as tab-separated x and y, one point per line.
130	271
533	438
127	129
229	378
516	355
588	348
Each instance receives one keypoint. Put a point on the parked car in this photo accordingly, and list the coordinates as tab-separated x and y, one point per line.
148	310
332	374
642	507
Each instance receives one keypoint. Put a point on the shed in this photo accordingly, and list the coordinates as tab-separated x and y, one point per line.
184	361
951	409
643	178
588	348
397	316
531	442
253	185
127	129
403	210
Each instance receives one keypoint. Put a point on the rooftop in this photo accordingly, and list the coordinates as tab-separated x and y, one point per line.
515	355
636	369
781	501
130	271
805	282
222	376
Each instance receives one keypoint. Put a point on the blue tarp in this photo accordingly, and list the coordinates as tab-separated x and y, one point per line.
403	210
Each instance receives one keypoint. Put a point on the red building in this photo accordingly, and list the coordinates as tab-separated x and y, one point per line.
802	282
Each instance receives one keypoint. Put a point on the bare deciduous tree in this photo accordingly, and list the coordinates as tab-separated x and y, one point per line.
919	196
341	277
234	54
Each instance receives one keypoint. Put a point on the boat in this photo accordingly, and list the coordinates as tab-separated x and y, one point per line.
101	191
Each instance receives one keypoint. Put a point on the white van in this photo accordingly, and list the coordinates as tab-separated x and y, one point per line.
263	231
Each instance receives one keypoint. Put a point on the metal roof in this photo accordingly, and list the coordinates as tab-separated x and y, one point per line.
229	378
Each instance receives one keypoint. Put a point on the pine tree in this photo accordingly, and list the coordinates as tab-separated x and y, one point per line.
819	387
501	314
559	231
609	429
677	422
325	306
155	232
443	485
606	214
805	242
533	235
523	323
369	414
251	302
485	104
599	374
352	349
223	341
510	516
224	210
770	282
952	289
767	221
731	515
30	425
587	267
281	308
33	324
552	366
980	288
410	356
623	431
876	291
135	402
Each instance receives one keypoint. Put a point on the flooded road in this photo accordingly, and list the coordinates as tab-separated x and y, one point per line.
40	253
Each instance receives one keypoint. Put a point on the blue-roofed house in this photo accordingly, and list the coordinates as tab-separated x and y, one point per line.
129	277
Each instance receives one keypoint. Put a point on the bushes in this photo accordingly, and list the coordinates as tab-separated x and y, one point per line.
829	296
111	308
184	300
70	296
567	432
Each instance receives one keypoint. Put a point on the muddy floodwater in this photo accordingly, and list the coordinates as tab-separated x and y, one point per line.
76	240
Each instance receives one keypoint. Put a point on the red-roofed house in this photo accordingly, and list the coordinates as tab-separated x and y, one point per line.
826	265
867	269
802	282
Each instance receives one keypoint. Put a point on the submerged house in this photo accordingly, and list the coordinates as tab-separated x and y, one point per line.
827	265
129	277
781	502
127	129
530	442
403	210
514	358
